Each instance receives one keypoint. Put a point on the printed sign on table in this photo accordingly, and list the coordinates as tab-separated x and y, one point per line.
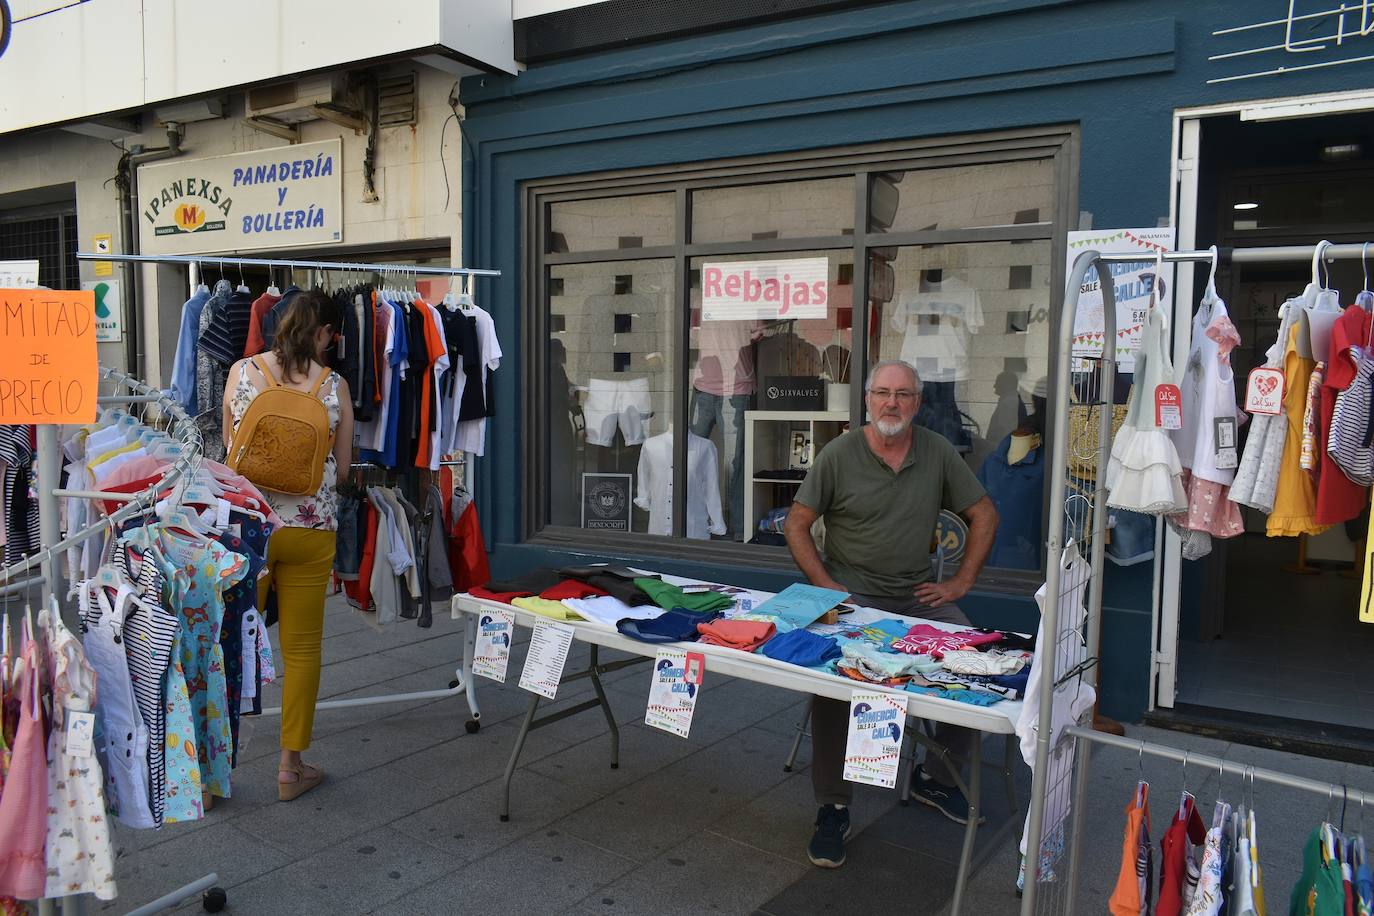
876	723
772	290
1132	285
491	653
549	644
48	366
674	690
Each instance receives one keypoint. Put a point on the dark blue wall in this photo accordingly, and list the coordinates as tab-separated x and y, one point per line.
1115	69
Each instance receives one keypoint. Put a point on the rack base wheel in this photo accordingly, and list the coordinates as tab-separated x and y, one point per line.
471	726
452	684
214	900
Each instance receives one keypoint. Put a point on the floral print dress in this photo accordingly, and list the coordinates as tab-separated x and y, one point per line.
202	573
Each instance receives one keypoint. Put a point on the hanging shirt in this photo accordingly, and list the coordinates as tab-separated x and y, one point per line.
1339	499
1015	489
725	361
184	362
936	323
20	506
255	343
372	433
273	316
705	516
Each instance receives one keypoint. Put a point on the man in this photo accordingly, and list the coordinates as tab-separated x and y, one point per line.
880	489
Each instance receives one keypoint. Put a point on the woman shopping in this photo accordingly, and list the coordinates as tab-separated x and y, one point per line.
289	423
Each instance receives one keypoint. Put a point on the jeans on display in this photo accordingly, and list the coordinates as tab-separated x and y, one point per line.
708	412
830	718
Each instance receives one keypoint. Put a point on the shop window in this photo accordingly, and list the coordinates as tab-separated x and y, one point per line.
610	223
781	210
961	197
610	391
761	376
980	343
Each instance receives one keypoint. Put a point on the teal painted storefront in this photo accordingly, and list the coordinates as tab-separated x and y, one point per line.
1115	71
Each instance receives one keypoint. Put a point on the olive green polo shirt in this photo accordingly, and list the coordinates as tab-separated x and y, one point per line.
879	522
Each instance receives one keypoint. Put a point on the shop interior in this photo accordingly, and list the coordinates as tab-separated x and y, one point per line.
1269	629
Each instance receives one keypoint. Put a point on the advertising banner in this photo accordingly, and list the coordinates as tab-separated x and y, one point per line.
774	290
1132	284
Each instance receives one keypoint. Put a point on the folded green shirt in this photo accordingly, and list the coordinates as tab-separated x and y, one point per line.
670	596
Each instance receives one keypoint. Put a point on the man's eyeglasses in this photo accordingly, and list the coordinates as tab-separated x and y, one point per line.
902	394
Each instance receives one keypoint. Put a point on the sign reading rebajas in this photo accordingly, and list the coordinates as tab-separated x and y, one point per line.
274	198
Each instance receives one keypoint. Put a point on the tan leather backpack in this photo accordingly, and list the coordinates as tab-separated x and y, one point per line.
284	437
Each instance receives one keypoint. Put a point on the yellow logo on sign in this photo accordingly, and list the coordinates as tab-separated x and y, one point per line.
189	217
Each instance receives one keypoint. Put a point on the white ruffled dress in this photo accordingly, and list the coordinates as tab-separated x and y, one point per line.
1144	473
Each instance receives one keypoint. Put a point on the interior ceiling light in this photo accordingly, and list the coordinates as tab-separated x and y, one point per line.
1340	152
1247	205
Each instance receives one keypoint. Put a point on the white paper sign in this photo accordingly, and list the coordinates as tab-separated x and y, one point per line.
1132	285
1264	392
18	274
674	690
492	651
876	723
765	290
549	644
109	310
286	196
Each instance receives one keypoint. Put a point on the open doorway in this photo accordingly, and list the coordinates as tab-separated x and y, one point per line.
1268	627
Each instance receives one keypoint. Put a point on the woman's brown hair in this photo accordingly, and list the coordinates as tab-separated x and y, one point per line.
294	344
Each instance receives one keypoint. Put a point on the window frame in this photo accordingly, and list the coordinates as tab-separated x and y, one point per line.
1059	144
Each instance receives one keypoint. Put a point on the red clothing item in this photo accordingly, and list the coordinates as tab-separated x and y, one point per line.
745	635
572	589
434	343
468	552
1187	827
359	590
261	306
1339	499
478	591
381	320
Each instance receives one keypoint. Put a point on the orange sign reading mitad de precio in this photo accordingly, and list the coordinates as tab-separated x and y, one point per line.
49	371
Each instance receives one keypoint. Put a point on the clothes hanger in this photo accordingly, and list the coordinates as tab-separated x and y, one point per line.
272	281
465	297
242	287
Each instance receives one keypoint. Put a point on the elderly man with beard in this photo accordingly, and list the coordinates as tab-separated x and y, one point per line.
880	489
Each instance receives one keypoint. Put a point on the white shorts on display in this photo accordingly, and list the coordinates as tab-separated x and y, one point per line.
611	404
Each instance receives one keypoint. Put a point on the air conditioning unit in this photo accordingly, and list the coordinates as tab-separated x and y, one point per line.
296	102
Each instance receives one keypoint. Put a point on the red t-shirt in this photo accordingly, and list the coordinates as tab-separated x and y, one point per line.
261	306
1338	498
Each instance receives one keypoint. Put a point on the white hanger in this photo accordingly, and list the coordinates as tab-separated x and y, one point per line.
465	297
1319	312
1211	292
272	283
1365	299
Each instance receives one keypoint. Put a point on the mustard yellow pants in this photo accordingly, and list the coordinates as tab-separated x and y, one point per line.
299	561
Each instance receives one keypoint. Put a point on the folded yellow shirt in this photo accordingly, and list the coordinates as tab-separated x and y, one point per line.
556	610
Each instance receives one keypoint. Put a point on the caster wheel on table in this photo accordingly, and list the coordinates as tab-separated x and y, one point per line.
471	726
505	818
453	683
214	900
787	769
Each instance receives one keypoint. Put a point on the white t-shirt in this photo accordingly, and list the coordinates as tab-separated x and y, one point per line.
936	325
471	435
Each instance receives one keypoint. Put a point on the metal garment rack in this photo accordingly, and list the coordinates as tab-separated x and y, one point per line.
1059	457
49	462
462	675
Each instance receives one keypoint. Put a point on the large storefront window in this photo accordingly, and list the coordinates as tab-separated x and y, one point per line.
727	306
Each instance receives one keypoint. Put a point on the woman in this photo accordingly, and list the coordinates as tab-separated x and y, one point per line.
300	554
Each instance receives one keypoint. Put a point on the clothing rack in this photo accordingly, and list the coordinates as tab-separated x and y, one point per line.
49	461
200	260
1058	468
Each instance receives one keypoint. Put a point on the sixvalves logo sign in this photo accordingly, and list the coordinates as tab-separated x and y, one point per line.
6	26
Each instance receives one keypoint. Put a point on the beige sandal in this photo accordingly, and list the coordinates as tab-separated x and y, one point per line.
288	791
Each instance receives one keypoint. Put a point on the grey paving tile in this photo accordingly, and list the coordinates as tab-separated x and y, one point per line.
367	872
694	877
467	826
643	751
221	848
562	868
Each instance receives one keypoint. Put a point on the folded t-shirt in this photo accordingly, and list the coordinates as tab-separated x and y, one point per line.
670	596
610	610
972	697
533	582
571	588
674	625
555	610
801	647
971	661
924	639
601	569
478	591
745	635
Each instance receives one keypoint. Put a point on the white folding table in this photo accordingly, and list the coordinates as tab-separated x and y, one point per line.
998	719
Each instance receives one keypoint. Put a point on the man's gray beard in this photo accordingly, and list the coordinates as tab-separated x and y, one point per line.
890	428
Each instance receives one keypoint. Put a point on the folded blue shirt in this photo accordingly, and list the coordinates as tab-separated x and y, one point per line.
801	647
676	625
972	697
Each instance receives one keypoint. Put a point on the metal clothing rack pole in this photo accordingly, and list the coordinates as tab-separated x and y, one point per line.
1092	260
304	265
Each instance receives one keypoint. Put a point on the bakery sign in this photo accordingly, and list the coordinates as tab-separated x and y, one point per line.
1291	36
289	196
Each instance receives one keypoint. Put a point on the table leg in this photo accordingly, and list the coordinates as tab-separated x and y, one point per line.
593	667
973	793
801	733
515	755
1009	756
468	681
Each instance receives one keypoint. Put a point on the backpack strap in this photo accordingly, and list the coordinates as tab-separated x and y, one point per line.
266	373
319	382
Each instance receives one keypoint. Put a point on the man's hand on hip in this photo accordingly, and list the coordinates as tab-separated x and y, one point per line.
935	594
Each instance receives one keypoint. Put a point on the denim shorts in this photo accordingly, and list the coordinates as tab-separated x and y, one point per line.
348	552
